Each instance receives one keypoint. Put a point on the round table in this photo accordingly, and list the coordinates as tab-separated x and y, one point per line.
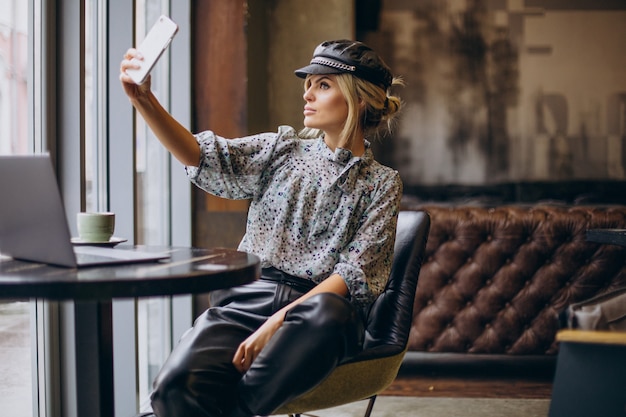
187	271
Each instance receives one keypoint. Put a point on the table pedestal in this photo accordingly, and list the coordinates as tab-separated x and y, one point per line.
94	358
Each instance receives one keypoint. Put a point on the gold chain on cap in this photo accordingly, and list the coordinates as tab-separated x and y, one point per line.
333	64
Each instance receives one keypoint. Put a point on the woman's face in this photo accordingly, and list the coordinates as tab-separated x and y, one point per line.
326	108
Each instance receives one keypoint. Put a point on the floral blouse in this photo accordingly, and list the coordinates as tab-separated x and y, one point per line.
313	212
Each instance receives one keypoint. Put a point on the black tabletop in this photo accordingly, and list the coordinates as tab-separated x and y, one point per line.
188	271
611	236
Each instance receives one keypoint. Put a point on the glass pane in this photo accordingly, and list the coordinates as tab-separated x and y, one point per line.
153	211
90	114
152	159
95	147
13	77
15	359
15	338
153	335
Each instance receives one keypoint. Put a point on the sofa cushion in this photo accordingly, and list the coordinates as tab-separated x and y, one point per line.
495	278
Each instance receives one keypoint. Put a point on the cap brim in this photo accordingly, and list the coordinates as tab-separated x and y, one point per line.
314	69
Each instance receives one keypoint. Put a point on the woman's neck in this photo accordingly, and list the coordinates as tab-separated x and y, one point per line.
357	147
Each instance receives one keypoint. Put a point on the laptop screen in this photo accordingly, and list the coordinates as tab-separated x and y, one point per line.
33	225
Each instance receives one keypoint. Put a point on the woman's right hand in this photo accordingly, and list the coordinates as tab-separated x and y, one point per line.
175	137
132	90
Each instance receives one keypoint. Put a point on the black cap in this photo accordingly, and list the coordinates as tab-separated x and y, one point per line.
352	57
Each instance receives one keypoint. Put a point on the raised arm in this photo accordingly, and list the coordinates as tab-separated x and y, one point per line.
177	139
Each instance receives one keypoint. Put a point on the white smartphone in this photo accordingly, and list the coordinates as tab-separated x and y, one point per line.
152	47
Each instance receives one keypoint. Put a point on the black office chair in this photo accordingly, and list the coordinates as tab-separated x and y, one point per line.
387	329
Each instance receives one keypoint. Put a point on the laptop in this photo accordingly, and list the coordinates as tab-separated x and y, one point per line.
33	226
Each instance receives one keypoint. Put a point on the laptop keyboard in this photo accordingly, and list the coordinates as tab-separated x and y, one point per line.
86	258
93	254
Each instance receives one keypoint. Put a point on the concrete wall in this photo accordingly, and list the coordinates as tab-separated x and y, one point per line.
282	35
507	90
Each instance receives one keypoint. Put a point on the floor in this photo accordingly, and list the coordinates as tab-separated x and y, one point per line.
450	375
386	406
449	387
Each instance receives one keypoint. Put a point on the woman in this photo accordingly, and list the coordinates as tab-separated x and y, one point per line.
322	220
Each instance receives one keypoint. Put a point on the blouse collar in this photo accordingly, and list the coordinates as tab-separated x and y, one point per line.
344	156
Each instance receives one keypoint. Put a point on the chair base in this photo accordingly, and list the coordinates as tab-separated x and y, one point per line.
368	411
375	375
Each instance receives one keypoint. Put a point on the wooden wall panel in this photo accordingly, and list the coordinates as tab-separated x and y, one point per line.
220	100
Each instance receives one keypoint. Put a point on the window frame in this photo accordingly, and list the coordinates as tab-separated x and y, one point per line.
56	92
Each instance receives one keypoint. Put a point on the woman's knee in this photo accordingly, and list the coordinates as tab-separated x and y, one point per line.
202	360
186	384
172	376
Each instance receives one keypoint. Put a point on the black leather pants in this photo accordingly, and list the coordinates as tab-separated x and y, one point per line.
198	379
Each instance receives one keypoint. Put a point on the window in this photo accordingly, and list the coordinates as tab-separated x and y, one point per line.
59	92
15	316
152	176
15	358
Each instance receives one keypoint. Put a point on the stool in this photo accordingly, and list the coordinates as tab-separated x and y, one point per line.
590	377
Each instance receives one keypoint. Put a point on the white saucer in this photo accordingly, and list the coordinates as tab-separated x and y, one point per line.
111	242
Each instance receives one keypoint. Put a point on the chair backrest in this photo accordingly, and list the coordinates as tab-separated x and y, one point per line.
389	319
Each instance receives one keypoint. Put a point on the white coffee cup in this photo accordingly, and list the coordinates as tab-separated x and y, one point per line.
96	227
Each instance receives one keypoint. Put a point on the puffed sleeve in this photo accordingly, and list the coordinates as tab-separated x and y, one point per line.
365	262
234	168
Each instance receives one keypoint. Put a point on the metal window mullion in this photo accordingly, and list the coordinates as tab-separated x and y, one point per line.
125	361
42	74
69	148
180	103
121	197
56	117
180	188
42	118
70	133
101	192
120	124
46	364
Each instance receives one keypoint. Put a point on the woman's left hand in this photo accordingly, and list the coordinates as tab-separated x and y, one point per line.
250	348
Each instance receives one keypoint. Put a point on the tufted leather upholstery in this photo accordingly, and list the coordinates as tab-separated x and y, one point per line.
494	279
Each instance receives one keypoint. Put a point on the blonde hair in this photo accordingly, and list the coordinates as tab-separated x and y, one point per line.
370	108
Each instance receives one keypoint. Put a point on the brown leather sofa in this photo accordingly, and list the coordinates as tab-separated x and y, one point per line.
495	278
